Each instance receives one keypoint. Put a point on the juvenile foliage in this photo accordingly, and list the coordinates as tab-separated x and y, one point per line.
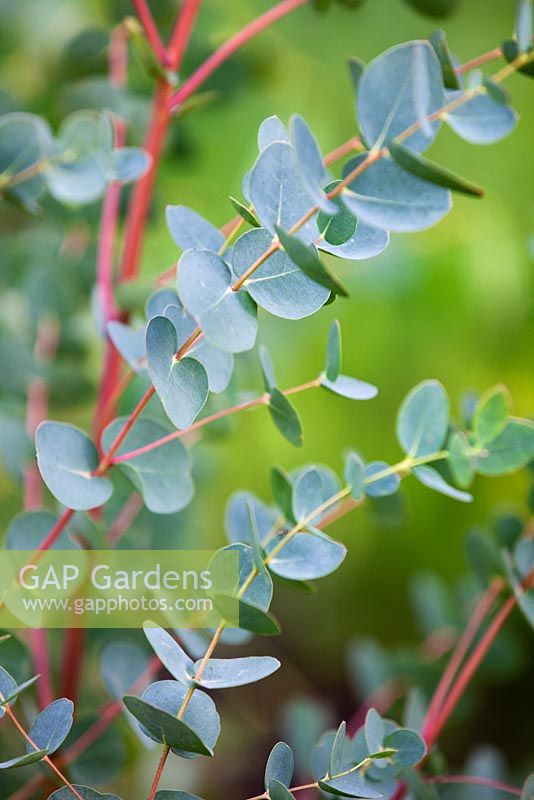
293	217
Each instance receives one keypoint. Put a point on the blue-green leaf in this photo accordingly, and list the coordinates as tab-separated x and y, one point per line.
228	318
386	196
223	673
190	231
85	792
423	419
278	285
282	489
80	171
337	752
438	40
339	228
460	459
366	242
512	449
481	119
349	786
523	25
245	212
333	352
171	794
28	530
355	474
410	747
237	517
169	652
386	104
182	385
218	364
375	486
67	459
306	259
285	417
491	414
267	369
310	164
308	494
430	477
277	791
8	689
278	192
307	556
280	765
51	727
272	130
374	731
129	164
162	475
23	761
423	168
25	139
194	734
11	697
130	343
352	388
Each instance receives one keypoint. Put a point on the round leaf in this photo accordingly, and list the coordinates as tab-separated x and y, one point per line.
67	459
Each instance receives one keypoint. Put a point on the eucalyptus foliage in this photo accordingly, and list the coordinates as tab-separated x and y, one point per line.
296	215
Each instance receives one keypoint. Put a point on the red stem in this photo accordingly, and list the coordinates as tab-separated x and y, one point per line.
225	412
464	643
475	780
73	662
151	31
105	410
142	192
182	32
470	668
60	525
230	47
36	412
119	439
159	773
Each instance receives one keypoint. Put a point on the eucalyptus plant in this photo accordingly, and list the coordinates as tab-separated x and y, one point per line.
296	215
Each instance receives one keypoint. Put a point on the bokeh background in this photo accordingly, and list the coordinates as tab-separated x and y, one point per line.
453	303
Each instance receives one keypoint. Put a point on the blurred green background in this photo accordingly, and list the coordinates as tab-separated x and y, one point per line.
453	303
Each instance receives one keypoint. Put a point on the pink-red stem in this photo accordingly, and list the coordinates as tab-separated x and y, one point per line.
464	643
151	31
223	53
475	780
470	668
182	32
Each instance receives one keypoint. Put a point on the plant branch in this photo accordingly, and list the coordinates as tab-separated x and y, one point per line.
37	411
475	780
108	714
151	31
46	759
465	641
105	410
479	61
328	504
263	400
182	32
230	47
471	667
